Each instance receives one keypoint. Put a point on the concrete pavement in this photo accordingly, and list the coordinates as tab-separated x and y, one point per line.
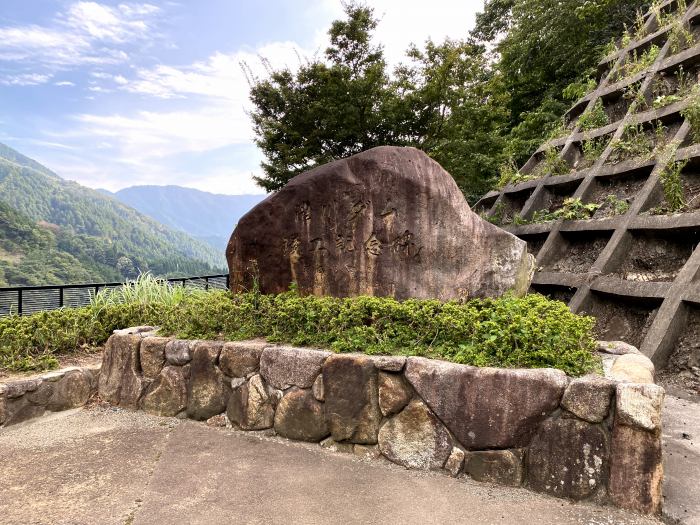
103	465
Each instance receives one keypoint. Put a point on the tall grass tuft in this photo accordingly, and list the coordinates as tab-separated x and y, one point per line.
144	290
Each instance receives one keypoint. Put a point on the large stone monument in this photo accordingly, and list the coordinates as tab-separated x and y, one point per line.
386	222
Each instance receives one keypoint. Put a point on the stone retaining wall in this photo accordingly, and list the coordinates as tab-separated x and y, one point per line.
590	438
53	392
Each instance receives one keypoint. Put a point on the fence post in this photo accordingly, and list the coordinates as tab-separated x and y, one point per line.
19	301
228	282
60	296
206	283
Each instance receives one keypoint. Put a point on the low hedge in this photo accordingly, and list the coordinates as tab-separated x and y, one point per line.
528	332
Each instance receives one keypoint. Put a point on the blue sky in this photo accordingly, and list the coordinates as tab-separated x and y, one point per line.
113	93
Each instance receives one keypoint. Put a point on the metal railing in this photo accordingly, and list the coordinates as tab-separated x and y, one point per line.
24	300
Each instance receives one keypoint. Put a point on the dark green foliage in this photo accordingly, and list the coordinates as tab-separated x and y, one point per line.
528	332
444	100
545	46
33	342
69	233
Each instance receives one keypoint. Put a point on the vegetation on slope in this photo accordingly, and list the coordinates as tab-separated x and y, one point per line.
107	240
530	332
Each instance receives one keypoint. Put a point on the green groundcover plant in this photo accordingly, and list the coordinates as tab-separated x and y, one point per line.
528	332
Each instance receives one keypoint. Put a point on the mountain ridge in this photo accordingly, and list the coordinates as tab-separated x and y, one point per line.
210	217
109	239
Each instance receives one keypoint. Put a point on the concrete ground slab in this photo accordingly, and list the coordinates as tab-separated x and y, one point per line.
97	466
681	428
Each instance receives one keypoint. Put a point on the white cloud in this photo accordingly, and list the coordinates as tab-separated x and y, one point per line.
403	23
206	101
64	83
26	79
101	22
87	33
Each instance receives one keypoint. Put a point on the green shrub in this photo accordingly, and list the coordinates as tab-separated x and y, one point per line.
528	332
32	342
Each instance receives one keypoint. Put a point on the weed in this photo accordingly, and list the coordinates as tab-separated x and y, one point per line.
551	164
636	63
570	210
615	205
594	117
635	95
679	36
592	149
634	142
579	89
509	174
670	178
497	216
691	113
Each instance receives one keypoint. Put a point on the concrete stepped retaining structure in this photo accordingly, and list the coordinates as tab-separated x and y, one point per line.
636	271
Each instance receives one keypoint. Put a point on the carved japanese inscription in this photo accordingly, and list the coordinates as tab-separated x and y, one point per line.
387	222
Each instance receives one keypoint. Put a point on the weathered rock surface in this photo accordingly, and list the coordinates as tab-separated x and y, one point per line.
167	396
633	368
179	352
152	352
568	458
616	348
120	381
300	416
455	462
636	470
389	363
639	405
241	358
352	398
415	438
286	366
72	390
208	389
394	393
504	467
503	412
317	389
252	404
330	444
367	225
589	397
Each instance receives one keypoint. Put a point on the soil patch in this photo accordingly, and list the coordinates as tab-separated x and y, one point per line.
683	368
624	188
618	320
655	258
578	252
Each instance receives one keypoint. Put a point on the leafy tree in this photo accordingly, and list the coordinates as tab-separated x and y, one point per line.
327	110
443	100
543	46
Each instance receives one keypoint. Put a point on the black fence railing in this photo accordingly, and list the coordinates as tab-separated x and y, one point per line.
25	300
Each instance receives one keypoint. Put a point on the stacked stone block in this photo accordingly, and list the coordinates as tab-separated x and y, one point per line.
589	438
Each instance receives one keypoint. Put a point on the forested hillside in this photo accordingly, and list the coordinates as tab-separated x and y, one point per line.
205	216
56	231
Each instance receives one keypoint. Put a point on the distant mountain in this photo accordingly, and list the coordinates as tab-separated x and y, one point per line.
56	231
207	216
